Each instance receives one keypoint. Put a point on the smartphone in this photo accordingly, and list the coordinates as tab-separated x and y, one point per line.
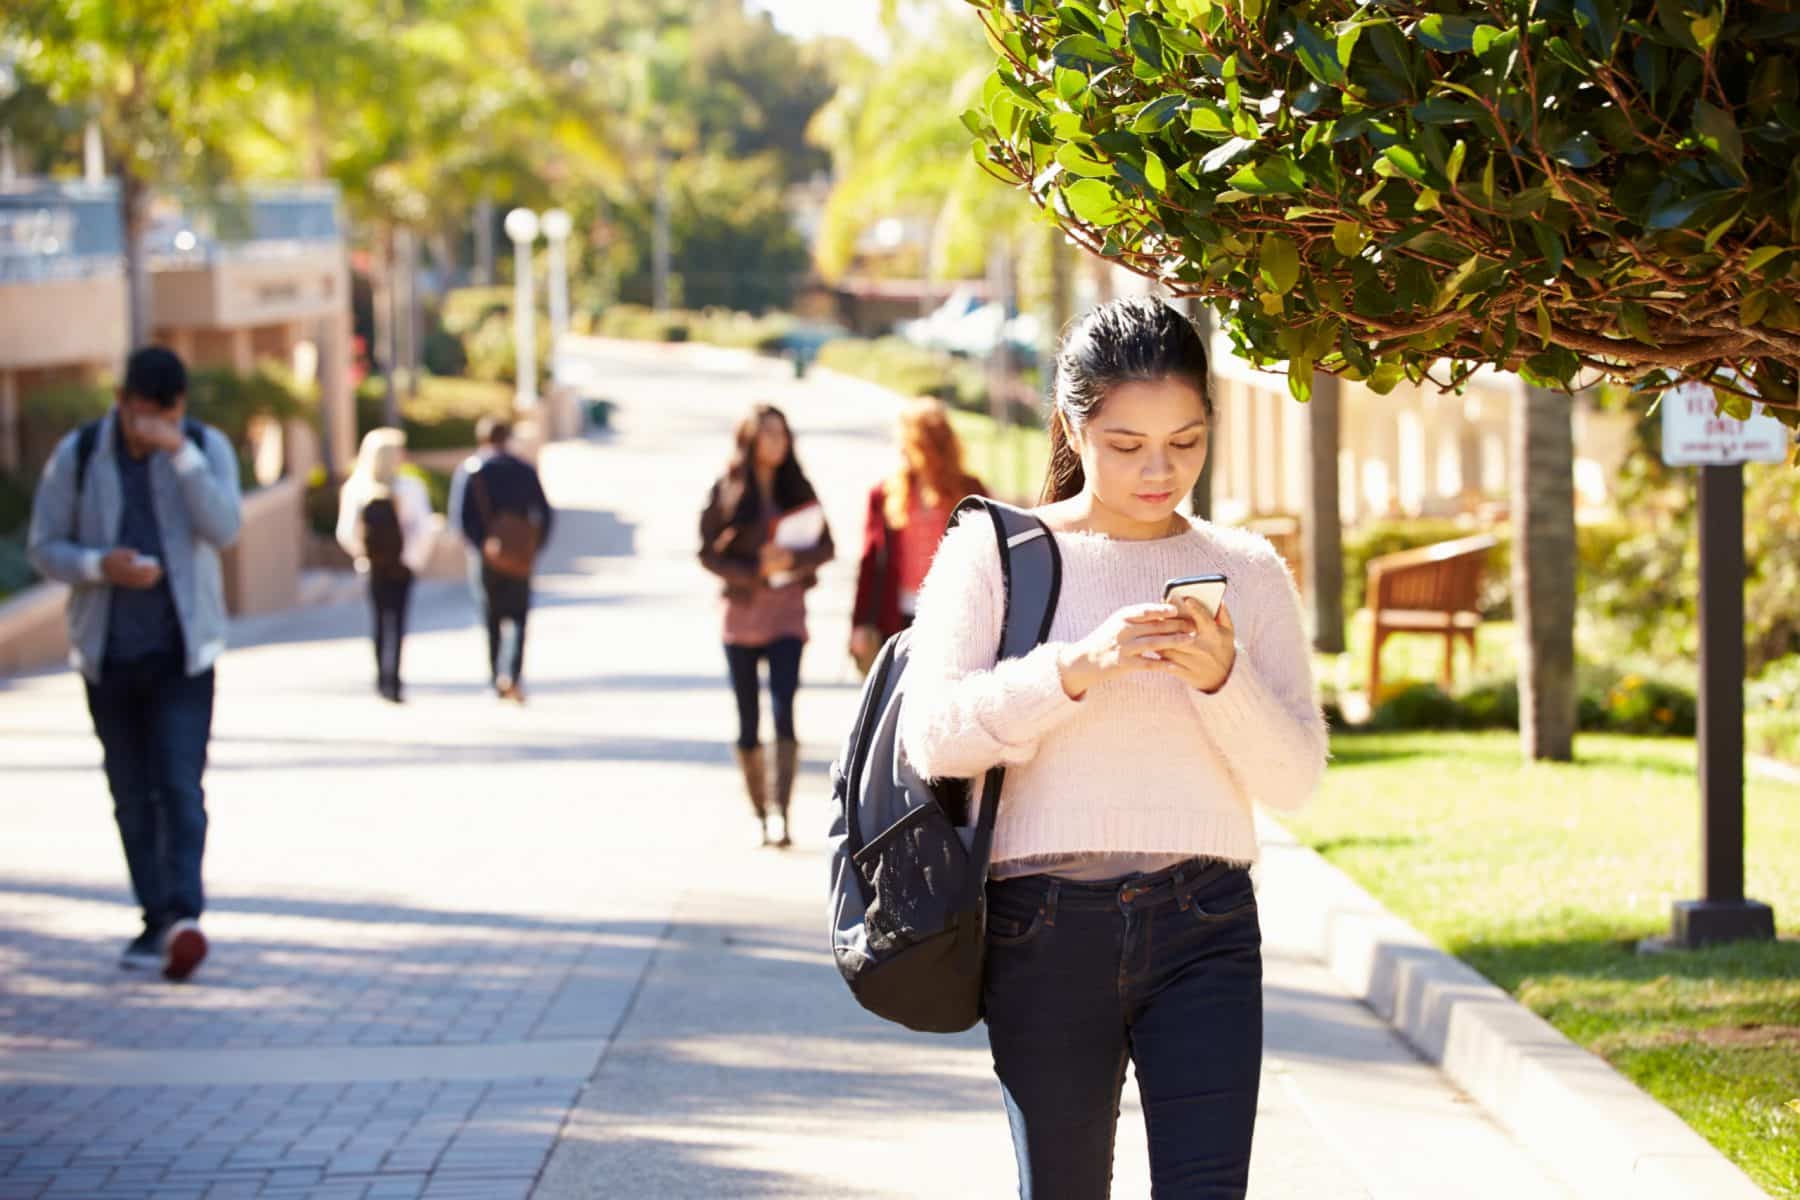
148	560
1209	590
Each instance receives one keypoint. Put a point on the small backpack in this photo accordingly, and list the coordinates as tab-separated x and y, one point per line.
511	541
383	542
908	872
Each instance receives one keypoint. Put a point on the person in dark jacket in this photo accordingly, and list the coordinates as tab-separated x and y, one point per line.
764	595
502	491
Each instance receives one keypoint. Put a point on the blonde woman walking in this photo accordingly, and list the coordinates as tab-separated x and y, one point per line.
384	523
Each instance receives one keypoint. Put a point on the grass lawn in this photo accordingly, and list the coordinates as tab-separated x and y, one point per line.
1544	876
1010	461
1415	659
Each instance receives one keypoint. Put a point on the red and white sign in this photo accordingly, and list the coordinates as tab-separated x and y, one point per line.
1695	434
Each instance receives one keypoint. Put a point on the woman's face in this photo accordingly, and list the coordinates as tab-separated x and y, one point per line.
771	442
1143	449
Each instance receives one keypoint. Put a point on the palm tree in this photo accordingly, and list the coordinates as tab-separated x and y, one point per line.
1543	571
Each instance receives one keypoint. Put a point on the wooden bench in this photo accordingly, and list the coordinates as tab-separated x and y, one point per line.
1431	590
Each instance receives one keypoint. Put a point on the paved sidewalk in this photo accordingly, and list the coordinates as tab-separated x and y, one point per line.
465	950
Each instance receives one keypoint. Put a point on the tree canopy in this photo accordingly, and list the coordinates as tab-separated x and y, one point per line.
1561	187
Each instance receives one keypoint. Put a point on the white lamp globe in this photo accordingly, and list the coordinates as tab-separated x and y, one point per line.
557	224
521	225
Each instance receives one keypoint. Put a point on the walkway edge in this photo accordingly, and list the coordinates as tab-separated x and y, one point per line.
1578	1116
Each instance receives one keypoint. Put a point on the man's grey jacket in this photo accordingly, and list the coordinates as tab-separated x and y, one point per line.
198	511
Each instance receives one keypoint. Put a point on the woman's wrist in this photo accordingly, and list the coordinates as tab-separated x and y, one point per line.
1076	671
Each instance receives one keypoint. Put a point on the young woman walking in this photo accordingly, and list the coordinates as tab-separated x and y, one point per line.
908	512
384	523
1122	922
765	586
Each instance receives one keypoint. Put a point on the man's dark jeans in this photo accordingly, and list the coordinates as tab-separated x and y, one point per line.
506	600
1163	970
154	721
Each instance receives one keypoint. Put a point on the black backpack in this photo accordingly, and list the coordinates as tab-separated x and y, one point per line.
383	542
908	871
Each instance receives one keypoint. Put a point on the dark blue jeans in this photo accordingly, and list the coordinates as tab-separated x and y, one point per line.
784	683
154	722
1163	970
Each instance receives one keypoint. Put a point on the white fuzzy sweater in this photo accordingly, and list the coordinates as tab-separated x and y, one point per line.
1142	763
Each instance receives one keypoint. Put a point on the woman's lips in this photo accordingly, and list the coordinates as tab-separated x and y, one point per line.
1154	497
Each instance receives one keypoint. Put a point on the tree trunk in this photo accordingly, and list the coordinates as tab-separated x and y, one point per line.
406	309
134	221
1200	500
381	295
1543	571
659	243
1323	552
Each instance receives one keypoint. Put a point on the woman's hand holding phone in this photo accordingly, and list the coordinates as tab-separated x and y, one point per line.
1204	659
1132	639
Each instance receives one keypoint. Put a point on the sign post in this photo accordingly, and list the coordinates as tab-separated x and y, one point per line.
1696	434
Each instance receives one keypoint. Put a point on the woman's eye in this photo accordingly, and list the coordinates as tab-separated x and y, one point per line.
1126	449
1185	445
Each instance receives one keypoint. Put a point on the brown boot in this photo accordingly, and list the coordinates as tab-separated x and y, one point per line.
787	765
756	782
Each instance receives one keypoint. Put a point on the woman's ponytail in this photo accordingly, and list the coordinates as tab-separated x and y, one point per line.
1140	339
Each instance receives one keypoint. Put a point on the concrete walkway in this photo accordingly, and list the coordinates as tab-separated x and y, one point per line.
470	950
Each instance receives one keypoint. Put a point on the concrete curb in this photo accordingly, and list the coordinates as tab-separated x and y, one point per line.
1583	1120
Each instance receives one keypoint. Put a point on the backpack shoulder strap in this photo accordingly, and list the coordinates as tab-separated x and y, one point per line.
86	439
196	433
1031	580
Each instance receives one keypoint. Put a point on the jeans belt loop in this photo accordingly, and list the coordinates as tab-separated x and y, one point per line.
1050	902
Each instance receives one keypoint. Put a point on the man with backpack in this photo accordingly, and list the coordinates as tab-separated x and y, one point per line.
132	513
506	514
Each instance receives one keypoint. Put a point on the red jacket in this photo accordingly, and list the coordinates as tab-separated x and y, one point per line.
878	578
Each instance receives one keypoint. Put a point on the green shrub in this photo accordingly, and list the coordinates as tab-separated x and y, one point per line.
1420	706
1772	710
48	414
900	366
231	402
15	503
1491	706
321	503
15	570
465	308
437	484
443	414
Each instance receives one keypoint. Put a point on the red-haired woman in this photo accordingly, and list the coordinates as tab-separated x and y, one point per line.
908	512
765	589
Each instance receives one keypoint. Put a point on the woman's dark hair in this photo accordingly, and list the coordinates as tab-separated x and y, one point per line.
1127	341
741	497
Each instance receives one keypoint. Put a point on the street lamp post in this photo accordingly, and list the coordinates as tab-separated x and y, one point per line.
522	228
556	233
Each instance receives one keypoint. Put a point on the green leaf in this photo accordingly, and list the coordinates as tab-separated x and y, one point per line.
1156	174
1077	161
1453	283
1094	201
1386	376
1407	161
1070	85
1081	51
1348	237
1428	201
976	122
1634	322
1581	151
1762	256
1752	307
1272	304
1447	34
1317	53
1079	17
1158	113
1279	264
1146	43
1272	176
1543	322
1208	119
1458	153
1719	133
1706	29
991	167
1300	379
